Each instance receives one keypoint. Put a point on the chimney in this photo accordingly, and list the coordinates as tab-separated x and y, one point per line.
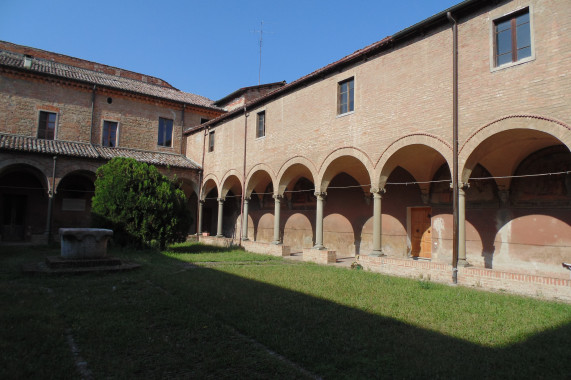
27	61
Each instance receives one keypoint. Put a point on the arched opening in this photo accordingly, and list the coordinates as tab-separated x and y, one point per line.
72	203
521	220
297	208
209	208
23	203
416	212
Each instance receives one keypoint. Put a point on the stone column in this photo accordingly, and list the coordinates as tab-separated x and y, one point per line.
220	216
245	220
462	262
377	222
277	209
319	221
200	208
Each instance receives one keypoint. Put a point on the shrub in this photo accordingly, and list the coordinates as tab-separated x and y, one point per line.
139	204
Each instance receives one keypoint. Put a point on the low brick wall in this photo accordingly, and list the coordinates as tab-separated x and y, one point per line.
219	242
266	248
488	279
319	256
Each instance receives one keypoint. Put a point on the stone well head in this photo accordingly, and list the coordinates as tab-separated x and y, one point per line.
84	243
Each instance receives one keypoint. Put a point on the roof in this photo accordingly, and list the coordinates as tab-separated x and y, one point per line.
242	90
84	150
360	55
61	70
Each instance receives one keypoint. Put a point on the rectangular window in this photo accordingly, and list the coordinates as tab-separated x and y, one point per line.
346	96
109	134
261	124
512	38
47	125
165	132
211	141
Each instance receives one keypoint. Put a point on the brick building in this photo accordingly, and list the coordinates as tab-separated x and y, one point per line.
356	158
62	117
353	160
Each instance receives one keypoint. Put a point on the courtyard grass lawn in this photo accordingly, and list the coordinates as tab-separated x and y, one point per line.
205	312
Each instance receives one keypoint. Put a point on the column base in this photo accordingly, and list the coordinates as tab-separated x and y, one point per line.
319	247
463	263
377	254
276	242
245	239
219	236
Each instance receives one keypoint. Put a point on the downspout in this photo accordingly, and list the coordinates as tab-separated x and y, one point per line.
92	111
243	177
51	195
182	145
200	178
455	149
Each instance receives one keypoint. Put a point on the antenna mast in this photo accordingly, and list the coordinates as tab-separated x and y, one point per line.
261	31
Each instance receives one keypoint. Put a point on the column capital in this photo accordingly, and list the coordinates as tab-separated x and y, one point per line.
202	201
246	199
277	197
378	191
221	199
320	194
464	186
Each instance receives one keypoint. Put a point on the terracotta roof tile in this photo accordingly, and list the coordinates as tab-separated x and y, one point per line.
76	149
16	60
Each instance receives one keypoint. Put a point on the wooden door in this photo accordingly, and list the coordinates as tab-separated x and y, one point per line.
421	232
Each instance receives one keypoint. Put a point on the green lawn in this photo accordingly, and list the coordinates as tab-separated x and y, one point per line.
204	312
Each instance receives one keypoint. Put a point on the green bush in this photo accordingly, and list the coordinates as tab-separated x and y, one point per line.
139	204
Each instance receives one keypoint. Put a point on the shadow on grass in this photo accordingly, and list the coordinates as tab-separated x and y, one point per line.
333	340
197	248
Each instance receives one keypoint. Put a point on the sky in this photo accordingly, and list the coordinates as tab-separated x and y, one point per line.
210	48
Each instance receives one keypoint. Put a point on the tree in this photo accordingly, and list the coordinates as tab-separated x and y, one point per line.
139	204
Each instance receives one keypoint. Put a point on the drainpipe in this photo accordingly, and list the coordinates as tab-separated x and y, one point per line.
200	178
243	176
92	109
455	148
51	195
182	151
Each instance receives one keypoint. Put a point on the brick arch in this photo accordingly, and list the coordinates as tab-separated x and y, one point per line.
343	160
547	129
80	172
228	182
428	142
252	178
208	183
42	172
291	168
77	167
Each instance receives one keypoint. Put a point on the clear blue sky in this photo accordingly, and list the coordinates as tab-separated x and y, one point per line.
210	47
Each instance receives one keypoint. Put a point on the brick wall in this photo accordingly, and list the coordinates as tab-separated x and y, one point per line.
403	99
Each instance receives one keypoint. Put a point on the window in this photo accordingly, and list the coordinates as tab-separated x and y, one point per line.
109	134
346	96
261	124
512	38
165	132
211	141
47	125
